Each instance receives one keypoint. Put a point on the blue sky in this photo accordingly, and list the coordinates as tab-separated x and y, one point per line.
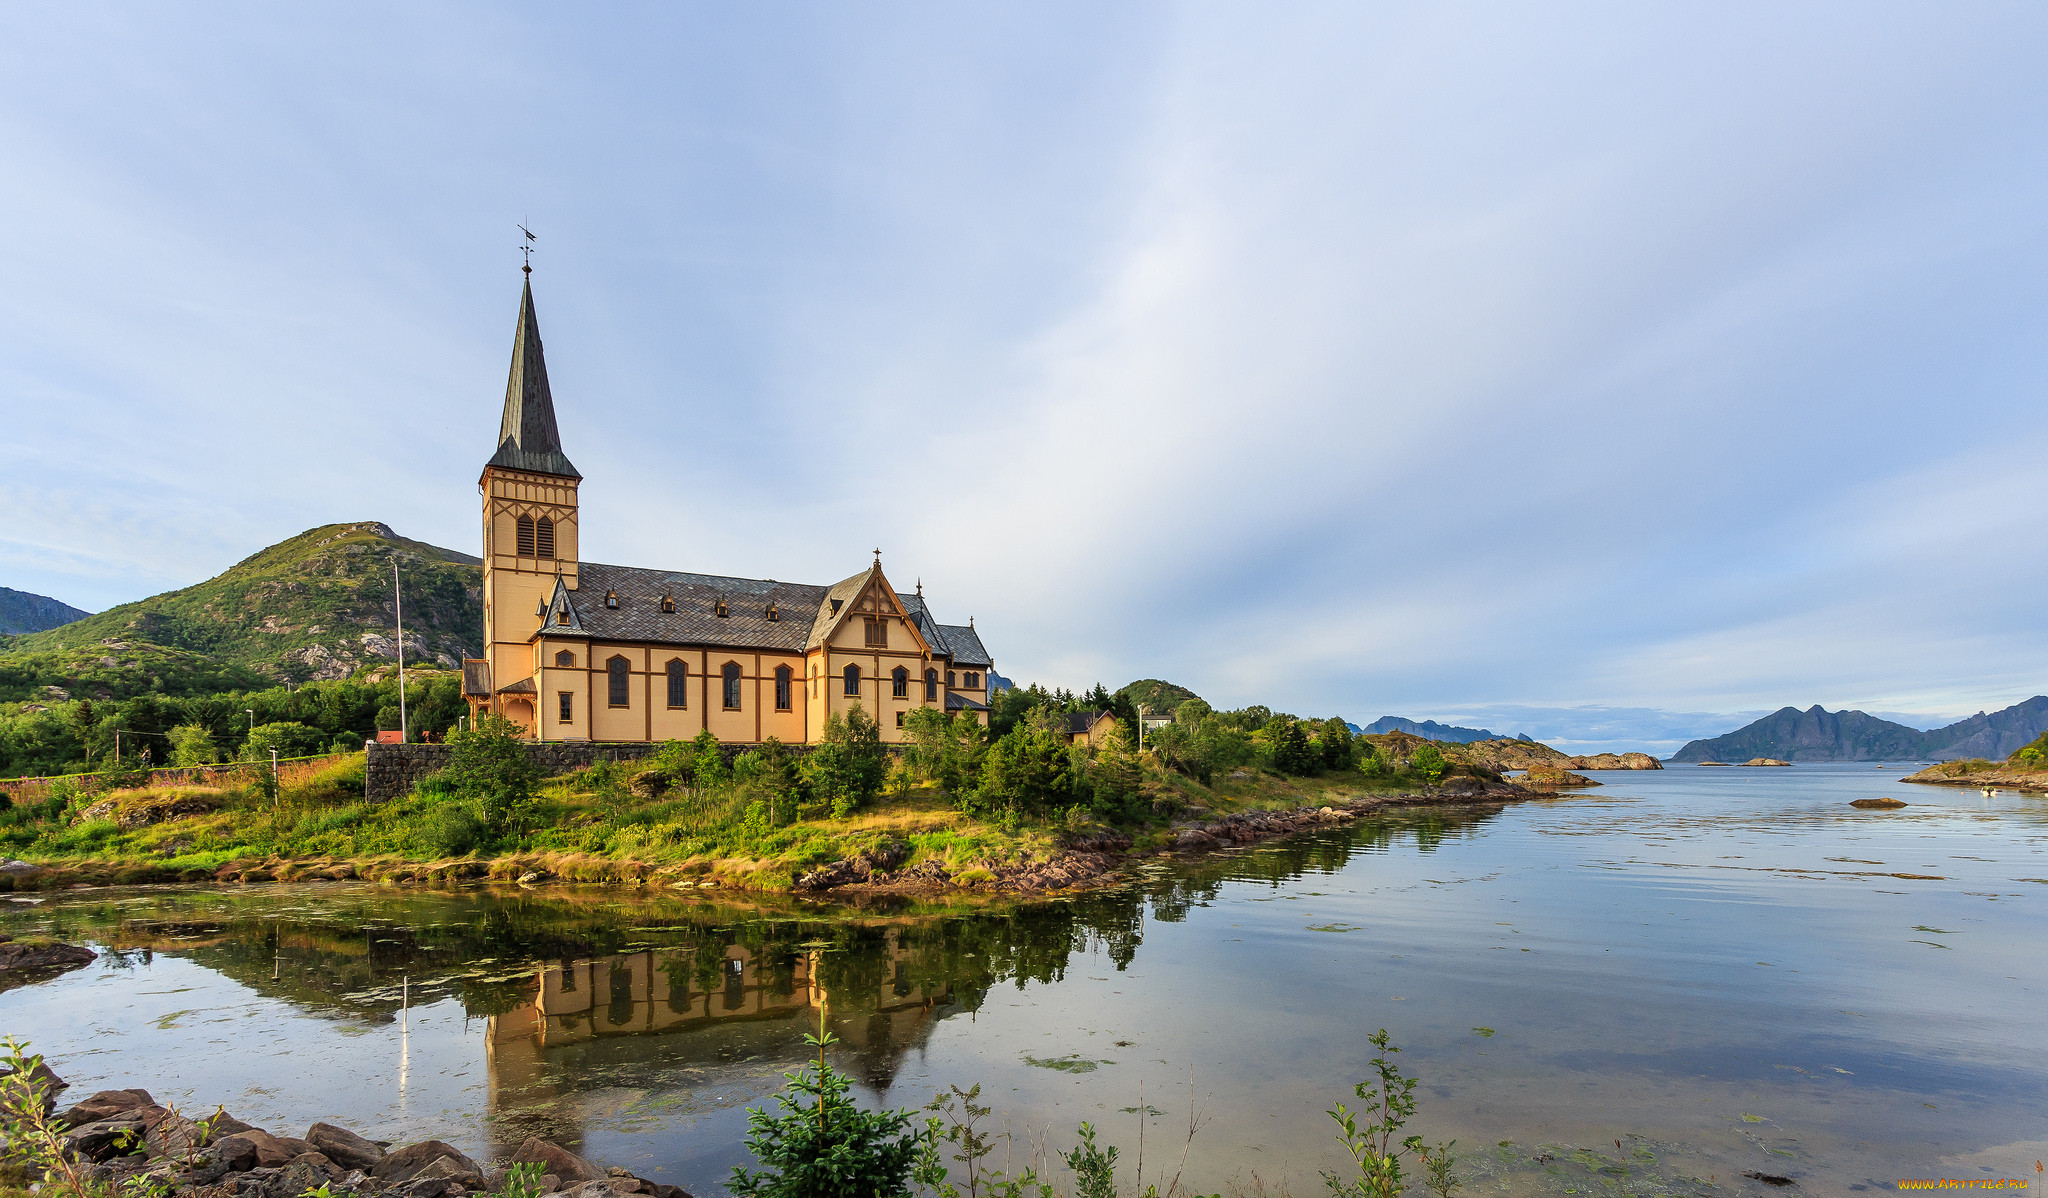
1605	372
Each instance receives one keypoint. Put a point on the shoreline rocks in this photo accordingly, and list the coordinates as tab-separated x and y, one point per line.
125	1136
1876	804
1761	761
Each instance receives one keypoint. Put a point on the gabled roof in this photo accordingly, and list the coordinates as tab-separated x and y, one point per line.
476	676
527	437
965	645
963	703
695	620
846	590
1081	721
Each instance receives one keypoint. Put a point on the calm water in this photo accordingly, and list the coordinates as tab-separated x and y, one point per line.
1725	970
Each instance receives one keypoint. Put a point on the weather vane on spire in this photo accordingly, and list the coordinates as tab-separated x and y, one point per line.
527	249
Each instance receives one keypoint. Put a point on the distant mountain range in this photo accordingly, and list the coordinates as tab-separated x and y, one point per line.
22	612
312	607
1431	730
1818	734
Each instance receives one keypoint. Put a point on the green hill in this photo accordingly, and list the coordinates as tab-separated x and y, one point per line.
1156	694
317	606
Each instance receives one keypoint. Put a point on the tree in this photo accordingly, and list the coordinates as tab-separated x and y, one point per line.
490	768
1029	769
828	1147
192	744
1114	774
289	737
847	769
1428	761
1333	742
1288	746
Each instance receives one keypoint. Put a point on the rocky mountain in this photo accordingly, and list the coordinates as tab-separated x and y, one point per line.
316	606
1818	734
22	612
1430	730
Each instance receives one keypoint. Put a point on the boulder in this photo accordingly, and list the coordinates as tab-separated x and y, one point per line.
11	868
1460	785
16	956
105	1138
1194	840
272	1152
170	1134
105	1105
1877	804
1553	779
561	1162
344	1147
403	1164
41	1076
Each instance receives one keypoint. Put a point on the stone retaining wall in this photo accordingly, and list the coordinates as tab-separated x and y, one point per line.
393	770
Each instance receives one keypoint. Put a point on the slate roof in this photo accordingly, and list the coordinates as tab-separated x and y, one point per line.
963	703
958	641
965	645
845	590
695	621
527	437
476	676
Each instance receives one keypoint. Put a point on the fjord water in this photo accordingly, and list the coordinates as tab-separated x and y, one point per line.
1729	971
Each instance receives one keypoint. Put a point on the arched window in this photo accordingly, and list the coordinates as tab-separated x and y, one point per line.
565	658
931	686
899	683
678	684
526	536
782	696
853	682
544	537
731	672
620	677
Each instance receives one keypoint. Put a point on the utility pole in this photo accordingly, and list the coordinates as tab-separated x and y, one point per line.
398	597
276	790
1142	709
117	748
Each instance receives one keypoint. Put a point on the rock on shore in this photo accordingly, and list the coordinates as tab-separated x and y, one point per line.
1755	761
1553	779
126	1137
1981	773
26	962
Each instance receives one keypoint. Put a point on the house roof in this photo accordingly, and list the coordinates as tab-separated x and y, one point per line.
956	702
527	437
476	676
1081	721
957	641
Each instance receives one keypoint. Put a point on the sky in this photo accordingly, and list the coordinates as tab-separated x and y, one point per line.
1611	373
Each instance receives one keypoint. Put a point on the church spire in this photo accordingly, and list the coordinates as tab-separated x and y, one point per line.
527	438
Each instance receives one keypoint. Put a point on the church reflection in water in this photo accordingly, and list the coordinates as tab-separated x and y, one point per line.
602	1033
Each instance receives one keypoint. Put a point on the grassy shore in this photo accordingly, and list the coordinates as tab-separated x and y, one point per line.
587	826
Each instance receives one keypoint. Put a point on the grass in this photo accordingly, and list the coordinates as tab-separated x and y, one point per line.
586	826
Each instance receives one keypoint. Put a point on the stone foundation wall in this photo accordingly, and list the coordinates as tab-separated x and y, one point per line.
393	770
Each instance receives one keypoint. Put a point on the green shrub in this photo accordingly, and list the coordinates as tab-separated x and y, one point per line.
450	829
491	769
828	1148
288	737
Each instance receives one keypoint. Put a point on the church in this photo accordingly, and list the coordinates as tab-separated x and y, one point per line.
581	651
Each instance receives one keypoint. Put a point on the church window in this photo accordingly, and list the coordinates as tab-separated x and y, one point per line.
899	719
544	538
526	536
732	685
931	686
782	696
619	681
611	598
899	683
949	678
562	615
878	633
668	603
853	682
565	658
678	684
565	709
721	611
973	679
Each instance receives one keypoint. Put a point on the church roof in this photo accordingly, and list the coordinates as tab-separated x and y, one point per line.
695	620
804	614
958	641
527	437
